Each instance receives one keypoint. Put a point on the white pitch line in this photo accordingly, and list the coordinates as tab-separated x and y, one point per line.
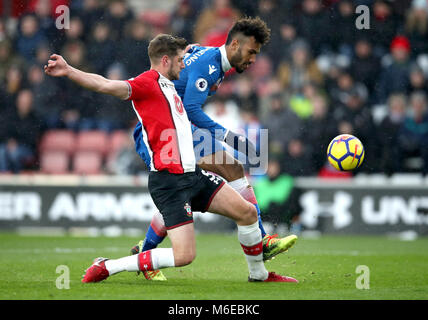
64	250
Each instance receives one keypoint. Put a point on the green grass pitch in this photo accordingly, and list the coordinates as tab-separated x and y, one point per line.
326	268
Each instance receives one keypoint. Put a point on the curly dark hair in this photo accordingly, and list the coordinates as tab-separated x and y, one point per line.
248	27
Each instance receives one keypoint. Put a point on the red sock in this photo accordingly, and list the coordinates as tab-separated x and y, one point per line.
254	250
145	261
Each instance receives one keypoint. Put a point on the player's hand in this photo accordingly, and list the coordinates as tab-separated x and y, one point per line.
56	67
189	47
241	144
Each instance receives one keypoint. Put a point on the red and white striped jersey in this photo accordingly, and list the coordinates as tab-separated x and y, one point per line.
166	129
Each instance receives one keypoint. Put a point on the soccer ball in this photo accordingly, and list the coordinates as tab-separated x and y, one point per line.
345	152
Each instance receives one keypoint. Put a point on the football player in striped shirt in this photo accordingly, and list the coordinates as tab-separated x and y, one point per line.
204	71
176	184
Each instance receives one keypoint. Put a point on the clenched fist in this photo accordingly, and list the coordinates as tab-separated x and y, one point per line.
57	66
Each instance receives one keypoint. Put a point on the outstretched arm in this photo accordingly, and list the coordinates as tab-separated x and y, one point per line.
58	67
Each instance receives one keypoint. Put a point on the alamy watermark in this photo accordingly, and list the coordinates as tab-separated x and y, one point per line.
206	146
363	20
63	280
63	19
363	280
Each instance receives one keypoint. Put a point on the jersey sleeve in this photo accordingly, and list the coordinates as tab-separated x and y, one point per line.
138	87
197	90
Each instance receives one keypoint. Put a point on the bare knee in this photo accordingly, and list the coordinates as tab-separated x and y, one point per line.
183	257
249	215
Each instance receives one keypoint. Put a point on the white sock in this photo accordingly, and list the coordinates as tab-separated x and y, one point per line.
162	258
239	184
250	238
129	263
243	187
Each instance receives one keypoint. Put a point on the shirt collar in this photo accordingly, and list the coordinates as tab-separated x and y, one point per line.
163	78
225	64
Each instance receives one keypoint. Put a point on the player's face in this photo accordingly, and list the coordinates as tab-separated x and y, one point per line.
245	54
177	64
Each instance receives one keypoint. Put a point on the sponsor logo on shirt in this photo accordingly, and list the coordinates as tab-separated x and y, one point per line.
212	69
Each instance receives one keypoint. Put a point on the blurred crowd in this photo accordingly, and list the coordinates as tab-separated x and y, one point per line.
319	76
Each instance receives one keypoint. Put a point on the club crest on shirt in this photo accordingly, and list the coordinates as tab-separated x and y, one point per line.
178	104
188	209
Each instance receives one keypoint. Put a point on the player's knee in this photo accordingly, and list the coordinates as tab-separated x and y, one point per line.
183	258
249	214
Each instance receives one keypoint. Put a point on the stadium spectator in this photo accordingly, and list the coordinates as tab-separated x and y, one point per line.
417	80
300	70
18	149
388	133
43	10
279	198
298	158
345	87
395	78
218	11
247	8
42	53
244	95
413	135
223	110
76	103
344	20
302	102
401	7
132	49
416	27
126	161
89	11
261	71
282	124
101	48
111	114
353	116
77	31
45	101
14	81
30	36
7	58
271	88
383	26
315	26
282	41
117	17
183	19
319	129
365	66
268	10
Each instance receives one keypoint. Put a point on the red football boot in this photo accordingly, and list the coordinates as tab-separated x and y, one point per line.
96	272
273	277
